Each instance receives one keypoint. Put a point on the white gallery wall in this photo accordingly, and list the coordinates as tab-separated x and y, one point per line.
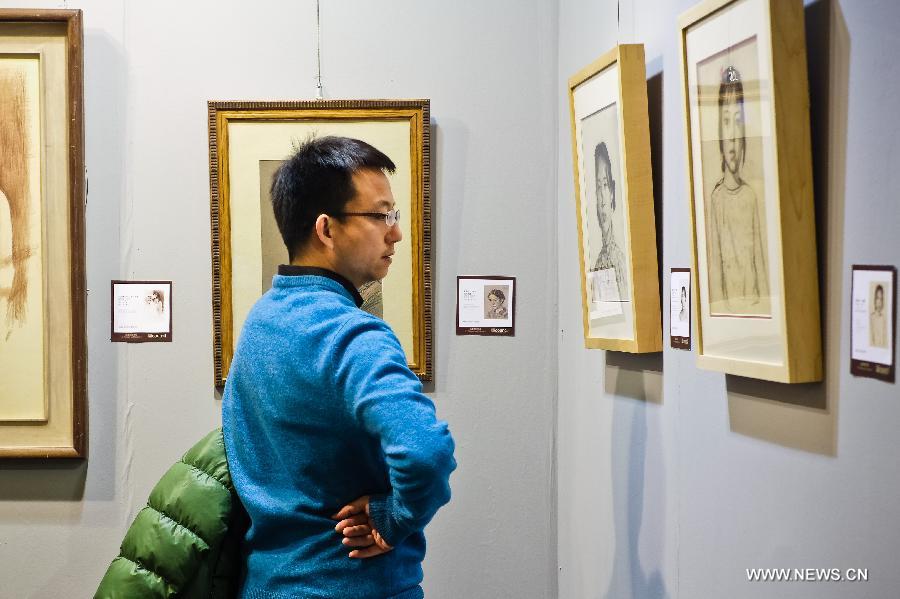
673	480
150	68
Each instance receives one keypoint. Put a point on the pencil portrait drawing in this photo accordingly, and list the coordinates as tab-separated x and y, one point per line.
604	213
495	306
878	323
736	242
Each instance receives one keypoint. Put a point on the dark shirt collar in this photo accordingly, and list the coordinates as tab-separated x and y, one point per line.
292	270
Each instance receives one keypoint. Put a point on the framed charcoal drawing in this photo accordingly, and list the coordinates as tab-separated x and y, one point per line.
614	199
247	143
746	109
43	349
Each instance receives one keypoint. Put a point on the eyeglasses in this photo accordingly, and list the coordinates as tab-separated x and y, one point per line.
390	218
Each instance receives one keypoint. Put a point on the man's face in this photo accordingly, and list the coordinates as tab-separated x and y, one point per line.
731	123
363	246
879	300
494	301
604	198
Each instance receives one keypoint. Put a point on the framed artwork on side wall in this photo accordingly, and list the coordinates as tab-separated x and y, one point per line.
614	199
43	347
247	143
746	109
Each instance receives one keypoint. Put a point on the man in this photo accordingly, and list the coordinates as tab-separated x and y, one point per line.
333	449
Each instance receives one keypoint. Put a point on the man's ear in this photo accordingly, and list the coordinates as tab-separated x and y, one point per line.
323	231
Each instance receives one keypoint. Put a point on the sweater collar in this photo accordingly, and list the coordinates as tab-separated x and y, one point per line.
293	270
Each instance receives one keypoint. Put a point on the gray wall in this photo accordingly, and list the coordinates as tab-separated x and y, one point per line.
150	68
672	480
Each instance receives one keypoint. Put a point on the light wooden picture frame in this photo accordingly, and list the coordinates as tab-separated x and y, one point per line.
247	141
43	343
614	202
749	165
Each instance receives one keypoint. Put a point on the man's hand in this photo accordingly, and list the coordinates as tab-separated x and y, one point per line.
358	531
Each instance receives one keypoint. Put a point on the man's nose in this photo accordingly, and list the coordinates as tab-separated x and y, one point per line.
394	233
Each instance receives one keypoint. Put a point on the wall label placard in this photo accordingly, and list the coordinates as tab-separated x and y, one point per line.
141	311
680	308
485	306
873	322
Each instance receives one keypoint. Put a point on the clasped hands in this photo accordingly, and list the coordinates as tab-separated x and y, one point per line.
358	530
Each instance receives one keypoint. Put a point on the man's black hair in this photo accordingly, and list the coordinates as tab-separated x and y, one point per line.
318	179
498	294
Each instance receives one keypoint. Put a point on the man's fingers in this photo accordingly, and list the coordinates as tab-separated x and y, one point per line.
357	520
379	540
363	541
370	551
349	510
357	531
357	506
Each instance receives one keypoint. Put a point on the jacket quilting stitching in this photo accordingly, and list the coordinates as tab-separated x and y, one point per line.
205	544
202	471
146	568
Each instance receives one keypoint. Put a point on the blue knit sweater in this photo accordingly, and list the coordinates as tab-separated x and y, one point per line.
319	409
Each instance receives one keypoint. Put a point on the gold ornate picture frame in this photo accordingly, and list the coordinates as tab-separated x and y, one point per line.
747	133
43	343
247	142
614	199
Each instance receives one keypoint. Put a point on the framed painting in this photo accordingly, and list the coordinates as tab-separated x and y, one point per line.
247	143
746	108
43	349
614	198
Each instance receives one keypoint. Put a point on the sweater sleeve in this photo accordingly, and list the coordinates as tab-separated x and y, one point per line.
385	398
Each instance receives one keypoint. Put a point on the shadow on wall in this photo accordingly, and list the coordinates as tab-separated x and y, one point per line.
636	377
805	416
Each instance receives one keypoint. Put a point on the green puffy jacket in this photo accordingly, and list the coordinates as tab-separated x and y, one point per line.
185	542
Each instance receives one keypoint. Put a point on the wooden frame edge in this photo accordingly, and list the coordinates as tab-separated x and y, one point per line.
641	213
75	84
800	281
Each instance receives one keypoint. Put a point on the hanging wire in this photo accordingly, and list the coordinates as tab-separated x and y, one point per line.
319	93
618	21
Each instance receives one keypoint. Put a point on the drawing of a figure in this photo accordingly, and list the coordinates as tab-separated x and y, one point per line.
496	310
738	272
683	312
611	255
14	252
156	300
878	319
